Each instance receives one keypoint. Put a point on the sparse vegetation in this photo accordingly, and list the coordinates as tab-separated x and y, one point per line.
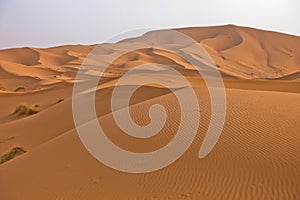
25	109
60	100
11	154
19	88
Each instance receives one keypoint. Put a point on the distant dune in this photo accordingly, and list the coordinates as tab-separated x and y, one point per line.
257	156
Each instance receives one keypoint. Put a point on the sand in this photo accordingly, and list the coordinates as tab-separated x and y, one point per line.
256	157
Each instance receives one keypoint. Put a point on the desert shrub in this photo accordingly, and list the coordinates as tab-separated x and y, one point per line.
11	154
25	109
19	89
2	87
60	100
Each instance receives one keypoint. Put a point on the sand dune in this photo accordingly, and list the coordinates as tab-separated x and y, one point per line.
257	156
26	56
262	54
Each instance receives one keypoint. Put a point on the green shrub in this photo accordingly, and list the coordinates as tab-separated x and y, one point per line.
11	154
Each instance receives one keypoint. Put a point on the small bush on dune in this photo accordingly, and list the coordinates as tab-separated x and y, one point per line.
60	100
11	154
25	109
2	87
19	89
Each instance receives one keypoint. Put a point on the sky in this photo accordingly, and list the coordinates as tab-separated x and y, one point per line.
45	23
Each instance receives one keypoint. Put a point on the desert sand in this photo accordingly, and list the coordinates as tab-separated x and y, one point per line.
256	157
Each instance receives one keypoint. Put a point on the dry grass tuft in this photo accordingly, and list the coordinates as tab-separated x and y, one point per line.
25	109
11	154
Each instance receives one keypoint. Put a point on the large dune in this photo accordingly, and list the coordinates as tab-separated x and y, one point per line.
256	157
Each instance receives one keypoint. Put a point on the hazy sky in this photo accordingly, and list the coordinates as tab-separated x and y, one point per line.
41	23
